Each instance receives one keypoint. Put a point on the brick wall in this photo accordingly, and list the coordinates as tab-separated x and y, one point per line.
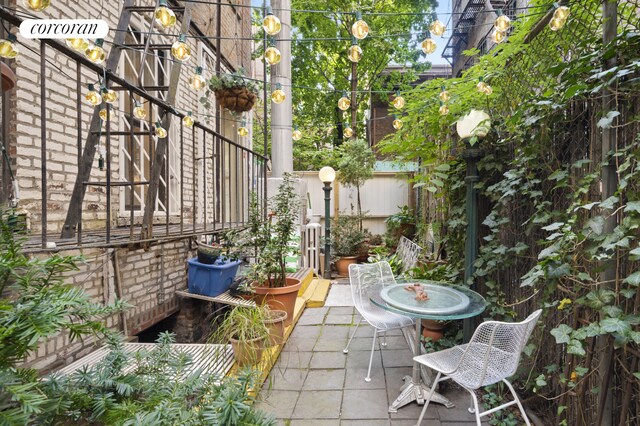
148	278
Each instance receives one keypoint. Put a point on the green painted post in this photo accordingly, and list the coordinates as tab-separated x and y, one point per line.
327	230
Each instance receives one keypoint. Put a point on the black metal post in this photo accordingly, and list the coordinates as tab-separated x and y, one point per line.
327	230
471	157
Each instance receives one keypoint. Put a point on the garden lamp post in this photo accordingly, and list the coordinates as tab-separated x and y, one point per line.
471	128
327	176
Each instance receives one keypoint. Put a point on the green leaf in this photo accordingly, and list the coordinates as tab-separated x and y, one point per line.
615	325
553	226
562	333
540	381
633	206
596	224
609	203
443	167
606	121
575	347
633	279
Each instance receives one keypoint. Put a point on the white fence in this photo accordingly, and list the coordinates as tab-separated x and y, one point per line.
380	196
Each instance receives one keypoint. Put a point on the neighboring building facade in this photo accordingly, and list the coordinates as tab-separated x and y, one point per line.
471	27
204	181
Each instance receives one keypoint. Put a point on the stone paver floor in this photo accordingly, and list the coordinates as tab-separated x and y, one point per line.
315	383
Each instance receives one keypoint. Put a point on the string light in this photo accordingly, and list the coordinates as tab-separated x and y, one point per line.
272	54
428	45
271	23
559	18
488	90
347	132
139	112
498	36
92	96
444	95
344	103
109	96
444	109
296	135
503	23
8	47
242	130
398	101
161	132
188	121
397	123
437	28
180	50
77	44
484	87
107	112
278	96
355	51
197	81
36	5
95	53
359	29
165	16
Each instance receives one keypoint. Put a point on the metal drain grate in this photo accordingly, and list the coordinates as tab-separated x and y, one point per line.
206	358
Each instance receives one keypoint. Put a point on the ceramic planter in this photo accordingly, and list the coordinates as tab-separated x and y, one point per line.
433	329
247	352
279	298
342	265
275	324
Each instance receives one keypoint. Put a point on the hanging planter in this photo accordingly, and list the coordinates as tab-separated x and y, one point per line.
234	92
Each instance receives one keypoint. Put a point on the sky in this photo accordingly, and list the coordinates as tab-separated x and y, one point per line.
443	10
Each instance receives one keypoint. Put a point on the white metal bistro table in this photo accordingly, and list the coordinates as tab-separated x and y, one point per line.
446	302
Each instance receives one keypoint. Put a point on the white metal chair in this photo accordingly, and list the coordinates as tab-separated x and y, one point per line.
492	355
366	280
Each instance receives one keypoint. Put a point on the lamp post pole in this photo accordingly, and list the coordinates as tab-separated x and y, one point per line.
471	157
327	230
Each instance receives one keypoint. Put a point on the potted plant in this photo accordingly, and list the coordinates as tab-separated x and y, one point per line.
356	167
274	320
208	254
244	327
269	241
402	223
213	270
346	240
233	91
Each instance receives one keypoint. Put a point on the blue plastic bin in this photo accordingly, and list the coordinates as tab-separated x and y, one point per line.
211	280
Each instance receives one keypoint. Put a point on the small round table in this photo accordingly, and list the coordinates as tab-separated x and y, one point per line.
413	389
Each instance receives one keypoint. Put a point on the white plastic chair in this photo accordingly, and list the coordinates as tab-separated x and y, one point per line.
492	355
366	280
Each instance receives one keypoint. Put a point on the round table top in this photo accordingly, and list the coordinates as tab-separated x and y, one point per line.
476	305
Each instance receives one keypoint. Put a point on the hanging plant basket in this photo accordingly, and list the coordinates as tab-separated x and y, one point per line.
236	99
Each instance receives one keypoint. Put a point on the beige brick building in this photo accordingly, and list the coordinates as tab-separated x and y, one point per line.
207	174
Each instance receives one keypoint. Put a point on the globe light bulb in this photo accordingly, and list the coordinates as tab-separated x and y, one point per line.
272	55
428	46
437	28
242	130
344	103
188	121
397	123
347	132
161	132
95	53
498	36
77	44
444	95
278	96
111	114
92	96
444	109
556	24
481	86
398	101
296	135
180	50
359	29
503	23
139	112
488	90
197	81
355	52
36	5
165	16
109	96
271	23
8	47
561	12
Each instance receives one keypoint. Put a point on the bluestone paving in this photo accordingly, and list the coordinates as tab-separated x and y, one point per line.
280	403
340	319
318	405
294	359
354	379
286	379
328	360
360	359
354	400
324	380
396	357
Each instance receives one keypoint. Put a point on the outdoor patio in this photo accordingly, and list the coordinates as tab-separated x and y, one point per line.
314	383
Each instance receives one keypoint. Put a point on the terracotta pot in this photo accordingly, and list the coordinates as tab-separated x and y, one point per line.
433	329
279	298
237	99
247	352
275	324
342	265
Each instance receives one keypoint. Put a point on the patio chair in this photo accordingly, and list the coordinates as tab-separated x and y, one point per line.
491	356
369	279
